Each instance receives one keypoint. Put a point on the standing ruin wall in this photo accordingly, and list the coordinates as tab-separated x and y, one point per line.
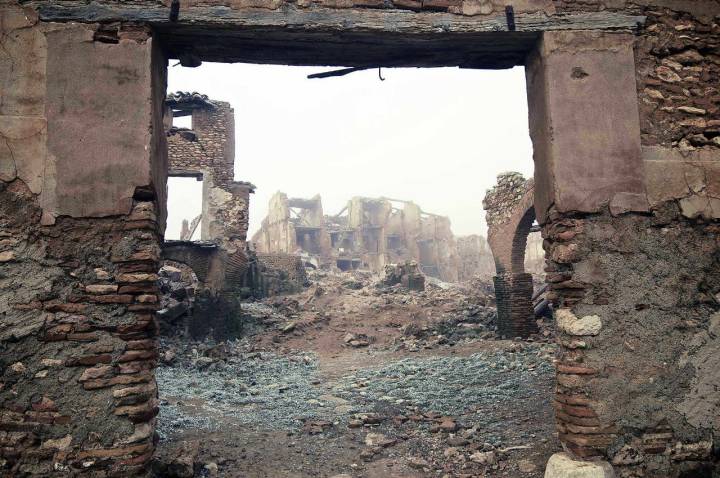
510	215
81	220
207	151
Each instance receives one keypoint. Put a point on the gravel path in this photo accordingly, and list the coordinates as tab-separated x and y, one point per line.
271	392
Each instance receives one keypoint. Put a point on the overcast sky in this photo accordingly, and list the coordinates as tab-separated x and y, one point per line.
438	137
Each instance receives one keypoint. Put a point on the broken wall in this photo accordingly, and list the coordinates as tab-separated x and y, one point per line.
81	215
510	215
439	254
281	273
208	151
592	122
631	235
282	229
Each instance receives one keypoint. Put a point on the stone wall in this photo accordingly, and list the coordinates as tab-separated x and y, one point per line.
370	234
623	117
280	228
208	151
81	215
633	251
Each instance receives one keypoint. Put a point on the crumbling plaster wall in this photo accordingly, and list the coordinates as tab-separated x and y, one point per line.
81	213
630	228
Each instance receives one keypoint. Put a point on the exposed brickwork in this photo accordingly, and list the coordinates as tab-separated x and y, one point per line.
78	392
510	214
513	294
208	149
598	268
208	145
281	273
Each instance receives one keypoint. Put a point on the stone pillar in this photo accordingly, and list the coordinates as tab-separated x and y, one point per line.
585	129
81	209
631	280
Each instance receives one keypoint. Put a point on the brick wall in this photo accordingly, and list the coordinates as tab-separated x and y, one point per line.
281	273
209	149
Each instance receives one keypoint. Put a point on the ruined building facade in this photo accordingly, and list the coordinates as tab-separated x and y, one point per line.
369	233
625	121
221	259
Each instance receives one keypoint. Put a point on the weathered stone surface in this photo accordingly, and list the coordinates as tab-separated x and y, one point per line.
22	150
623	203
84	104
22	64
561	465
584	121
692	178
700	206
572	325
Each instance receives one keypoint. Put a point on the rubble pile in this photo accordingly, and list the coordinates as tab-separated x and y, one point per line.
365	366
462	414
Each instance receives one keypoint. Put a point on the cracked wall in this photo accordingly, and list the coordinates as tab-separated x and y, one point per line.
207	150
81	212
630	234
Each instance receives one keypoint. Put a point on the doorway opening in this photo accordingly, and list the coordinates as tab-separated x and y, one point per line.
372	191
185	202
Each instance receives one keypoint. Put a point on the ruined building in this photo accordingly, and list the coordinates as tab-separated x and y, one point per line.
624	115
368	233
220	259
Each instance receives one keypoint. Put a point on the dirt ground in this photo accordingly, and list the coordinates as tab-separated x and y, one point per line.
351	378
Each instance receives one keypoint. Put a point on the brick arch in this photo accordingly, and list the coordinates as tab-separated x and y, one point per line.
193	255
218	271
510	215
520	238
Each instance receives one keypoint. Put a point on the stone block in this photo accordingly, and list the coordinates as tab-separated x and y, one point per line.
570	324
562	465
100	97
584	121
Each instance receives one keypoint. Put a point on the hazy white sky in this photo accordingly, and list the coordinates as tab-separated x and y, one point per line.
438	137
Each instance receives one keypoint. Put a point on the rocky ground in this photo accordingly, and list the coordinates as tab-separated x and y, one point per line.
353	378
